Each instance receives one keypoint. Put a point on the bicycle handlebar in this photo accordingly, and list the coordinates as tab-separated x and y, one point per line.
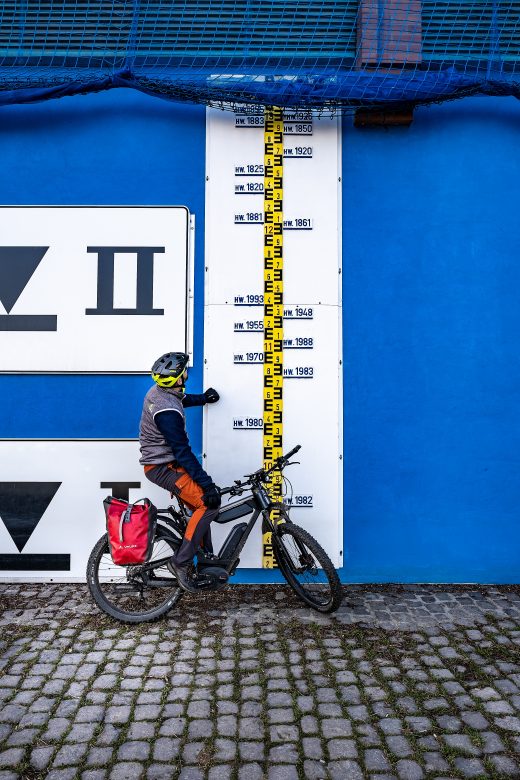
279	463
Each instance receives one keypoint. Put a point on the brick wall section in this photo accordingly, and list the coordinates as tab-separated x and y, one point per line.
389	33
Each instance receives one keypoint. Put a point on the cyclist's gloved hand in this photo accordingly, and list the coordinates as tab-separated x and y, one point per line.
211	395
211	496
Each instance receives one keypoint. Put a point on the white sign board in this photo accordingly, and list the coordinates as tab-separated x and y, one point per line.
51	510
92	289
233	349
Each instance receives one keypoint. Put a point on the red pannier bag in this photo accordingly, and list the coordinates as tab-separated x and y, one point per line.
130	529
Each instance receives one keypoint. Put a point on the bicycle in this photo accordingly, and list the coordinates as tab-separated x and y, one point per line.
144	593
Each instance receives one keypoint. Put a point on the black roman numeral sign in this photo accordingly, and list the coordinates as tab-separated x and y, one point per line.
22	505
120	489
18	264
144	281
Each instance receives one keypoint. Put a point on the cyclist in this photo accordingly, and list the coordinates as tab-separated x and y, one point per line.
169	461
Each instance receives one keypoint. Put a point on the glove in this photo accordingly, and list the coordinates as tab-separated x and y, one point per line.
211	496
211	396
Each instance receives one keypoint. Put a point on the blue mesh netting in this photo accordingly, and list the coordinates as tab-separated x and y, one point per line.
300	53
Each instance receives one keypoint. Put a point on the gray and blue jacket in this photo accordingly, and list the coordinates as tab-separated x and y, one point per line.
162	432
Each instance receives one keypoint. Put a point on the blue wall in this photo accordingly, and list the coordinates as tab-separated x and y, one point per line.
432	346
432	321
113	148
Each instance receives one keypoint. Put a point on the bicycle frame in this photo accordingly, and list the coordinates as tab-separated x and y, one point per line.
257	502
257	499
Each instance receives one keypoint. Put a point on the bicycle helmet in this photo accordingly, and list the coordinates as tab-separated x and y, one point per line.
168	368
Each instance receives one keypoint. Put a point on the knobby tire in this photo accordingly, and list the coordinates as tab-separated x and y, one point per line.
171	596
302	541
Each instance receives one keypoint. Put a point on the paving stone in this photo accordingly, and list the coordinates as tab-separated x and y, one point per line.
40	757
329	710
434	762
470	767
56	729
134	751
109	735
99	756
399	746
344	770
342	748
251	751
120	714
199	729
166	749
309	725
419	724
70	755
498	708
376	761
173	727
250	728
283	732
220	772
126	770
12	713
509	723
358	713
248	709
391	726
199	709
491	742
81	732
314	770
427	661
475	720
22	737
409	770
283	754
505	766
250	772
141	730
461	742
68	773
486	694
225	750
93	774
11	757
282	773
280	715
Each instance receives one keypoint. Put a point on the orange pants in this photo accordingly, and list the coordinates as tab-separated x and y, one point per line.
179	482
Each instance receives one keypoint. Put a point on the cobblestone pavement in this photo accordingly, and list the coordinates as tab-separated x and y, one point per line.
404	682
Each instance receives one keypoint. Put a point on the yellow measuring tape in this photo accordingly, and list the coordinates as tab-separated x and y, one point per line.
273	309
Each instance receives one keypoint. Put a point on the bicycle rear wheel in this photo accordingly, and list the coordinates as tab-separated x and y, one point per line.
127	593
307	568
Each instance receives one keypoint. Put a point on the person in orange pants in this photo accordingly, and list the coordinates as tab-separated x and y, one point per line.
169	461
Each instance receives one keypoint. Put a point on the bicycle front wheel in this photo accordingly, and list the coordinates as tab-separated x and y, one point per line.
134	594
307	568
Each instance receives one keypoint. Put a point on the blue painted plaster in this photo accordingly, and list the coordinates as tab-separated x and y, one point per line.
114	148
431	344
431	315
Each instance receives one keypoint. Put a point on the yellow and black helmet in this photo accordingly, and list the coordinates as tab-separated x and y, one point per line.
168	368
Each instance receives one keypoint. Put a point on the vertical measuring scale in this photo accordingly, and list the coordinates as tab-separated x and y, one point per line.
272	273
273	310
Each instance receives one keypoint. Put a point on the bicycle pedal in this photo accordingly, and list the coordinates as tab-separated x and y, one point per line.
211	578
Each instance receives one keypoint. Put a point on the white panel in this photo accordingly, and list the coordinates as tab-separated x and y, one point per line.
312	314
74	519
67	283
234	214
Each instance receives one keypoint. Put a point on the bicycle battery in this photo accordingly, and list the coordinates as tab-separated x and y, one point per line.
234	511
231	542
